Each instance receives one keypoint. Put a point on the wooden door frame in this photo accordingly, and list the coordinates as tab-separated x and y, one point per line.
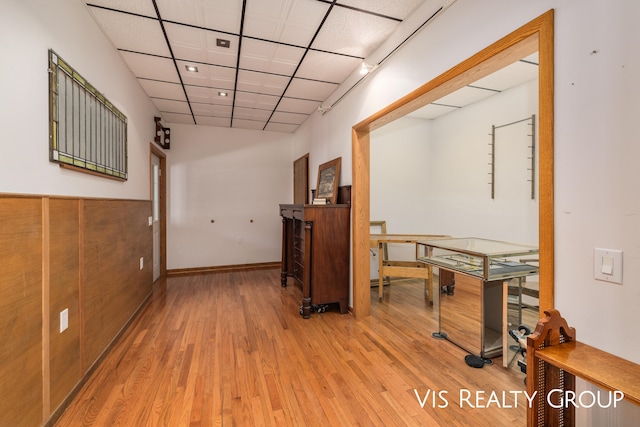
163	202
535	35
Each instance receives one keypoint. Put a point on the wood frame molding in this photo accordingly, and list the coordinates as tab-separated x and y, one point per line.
154	149
535	35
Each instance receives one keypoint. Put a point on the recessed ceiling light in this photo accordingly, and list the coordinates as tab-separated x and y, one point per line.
191	68
223	43
223	94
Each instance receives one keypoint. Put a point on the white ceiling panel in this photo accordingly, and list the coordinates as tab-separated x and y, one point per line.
291	22
133	33
139	7
221	15
273	75
214	121
327	67
310	90
192	44
208	76
291	105
151	67
398	9
269	57
208	95
211	110
171	106
248	124
157	89
288	118
270	84
177	118
257	101
354	33
251	114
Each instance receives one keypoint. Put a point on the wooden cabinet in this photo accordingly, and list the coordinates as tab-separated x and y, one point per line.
315	253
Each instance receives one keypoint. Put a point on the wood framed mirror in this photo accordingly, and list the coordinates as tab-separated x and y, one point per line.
537	35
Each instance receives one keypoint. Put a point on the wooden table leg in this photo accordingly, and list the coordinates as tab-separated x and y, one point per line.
380	272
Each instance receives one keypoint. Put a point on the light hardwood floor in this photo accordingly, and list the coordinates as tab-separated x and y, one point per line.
230	348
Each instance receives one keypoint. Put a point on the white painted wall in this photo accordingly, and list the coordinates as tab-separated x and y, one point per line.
28	29
597	95
231	176
431	176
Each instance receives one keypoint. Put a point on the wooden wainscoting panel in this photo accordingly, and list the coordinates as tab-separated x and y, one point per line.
64	347
21	402
115	235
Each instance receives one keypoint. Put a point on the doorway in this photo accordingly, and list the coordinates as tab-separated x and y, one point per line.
534	36
158	204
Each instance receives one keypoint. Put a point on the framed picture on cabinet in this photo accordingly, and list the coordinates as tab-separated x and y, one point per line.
328	180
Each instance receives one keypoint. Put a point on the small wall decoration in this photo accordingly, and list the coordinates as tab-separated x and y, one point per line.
163	134
328	180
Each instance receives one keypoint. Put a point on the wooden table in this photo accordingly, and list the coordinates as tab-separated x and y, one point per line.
411	269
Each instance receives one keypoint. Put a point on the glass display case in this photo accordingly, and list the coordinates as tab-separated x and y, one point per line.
483	258
474	276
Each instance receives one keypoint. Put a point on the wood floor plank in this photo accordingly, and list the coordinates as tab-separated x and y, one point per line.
230	348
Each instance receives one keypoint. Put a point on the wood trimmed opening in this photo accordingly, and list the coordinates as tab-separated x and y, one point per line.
536	35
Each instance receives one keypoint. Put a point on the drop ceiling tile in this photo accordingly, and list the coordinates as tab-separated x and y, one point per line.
465	96
432	111
151	67
510	76
250	81
251	114
169	106
353	33
131	32
248	124
208	96
213	121
140	7
156	89
177	118
398	9
258	55
193	44
287	21
220	15
211	110
327	67
257	101
303	106
288	118
281	127
310	90
208	75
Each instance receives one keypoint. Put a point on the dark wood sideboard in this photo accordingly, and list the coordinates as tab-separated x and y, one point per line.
315	253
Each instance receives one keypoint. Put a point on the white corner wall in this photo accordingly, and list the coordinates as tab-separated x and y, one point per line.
235	178
28	29
597	94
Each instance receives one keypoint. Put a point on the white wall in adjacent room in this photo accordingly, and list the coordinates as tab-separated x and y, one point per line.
232	177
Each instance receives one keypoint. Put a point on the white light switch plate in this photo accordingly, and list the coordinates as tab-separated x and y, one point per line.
64	320
607	265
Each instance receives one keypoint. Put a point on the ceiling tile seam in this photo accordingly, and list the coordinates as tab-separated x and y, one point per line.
484	88
155	55
386	57
173	57
324	19
121	11
368	12
235	85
